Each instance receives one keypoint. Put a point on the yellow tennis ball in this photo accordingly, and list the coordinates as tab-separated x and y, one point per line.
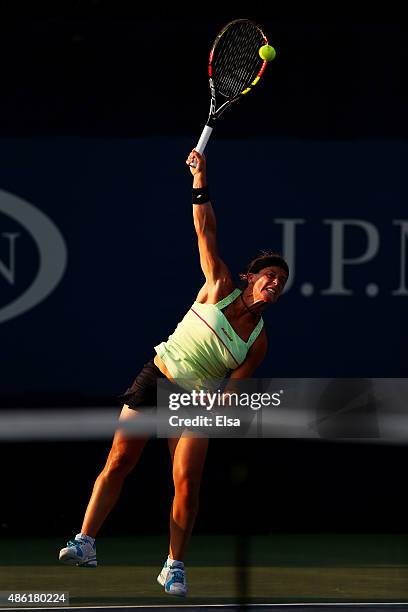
267	53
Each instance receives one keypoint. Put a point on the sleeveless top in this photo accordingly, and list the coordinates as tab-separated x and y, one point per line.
204	346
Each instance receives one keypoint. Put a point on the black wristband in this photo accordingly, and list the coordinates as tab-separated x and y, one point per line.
200	195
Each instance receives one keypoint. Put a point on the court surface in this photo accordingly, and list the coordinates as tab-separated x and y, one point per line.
289	572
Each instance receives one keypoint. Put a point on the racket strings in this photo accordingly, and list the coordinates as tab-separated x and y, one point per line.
236	61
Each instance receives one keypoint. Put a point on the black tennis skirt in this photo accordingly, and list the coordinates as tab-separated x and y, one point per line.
142	394
143	391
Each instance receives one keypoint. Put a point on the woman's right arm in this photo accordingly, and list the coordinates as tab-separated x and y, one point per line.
214	269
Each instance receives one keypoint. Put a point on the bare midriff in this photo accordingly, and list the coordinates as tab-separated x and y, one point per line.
158	362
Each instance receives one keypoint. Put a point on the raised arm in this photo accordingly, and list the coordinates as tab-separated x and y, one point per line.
214	269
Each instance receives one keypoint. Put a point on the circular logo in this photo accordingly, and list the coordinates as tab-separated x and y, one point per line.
51	249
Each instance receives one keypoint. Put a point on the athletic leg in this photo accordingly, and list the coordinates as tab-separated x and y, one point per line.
188	456
123	456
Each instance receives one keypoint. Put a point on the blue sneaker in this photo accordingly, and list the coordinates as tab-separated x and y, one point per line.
173	578
81	551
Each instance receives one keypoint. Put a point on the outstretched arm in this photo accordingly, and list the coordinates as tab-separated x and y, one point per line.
212	265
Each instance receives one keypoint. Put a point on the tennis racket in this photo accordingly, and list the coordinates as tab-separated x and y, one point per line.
234	68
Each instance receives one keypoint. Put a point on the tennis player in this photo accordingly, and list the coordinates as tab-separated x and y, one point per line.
223	331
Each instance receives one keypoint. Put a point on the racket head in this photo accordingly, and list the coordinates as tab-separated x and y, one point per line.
235	65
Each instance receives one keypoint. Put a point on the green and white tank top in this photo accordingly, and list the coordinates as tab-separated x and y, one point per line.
204	346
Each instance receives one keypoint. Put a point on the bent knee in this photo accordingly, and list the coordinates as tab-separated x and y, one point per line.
120	463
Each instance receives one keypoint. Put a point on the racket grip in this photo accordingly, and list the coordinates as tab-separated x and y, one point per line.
202	143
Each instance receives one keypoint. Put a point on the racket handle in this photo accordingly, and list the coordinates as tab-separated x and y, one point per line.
204	138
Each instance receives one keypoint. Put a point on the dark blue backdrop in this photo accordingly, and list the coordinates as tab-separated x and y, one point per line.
123	209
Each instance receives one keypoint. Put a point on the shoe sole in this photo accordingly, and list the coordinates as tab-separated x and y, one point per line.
68	559
176	593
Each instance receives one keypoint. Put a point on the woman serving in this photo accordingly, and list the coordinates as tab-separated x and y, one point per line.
222	331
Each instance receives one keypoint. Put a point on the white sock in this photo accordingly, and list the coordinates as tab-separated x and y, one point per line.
171	561
83	535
